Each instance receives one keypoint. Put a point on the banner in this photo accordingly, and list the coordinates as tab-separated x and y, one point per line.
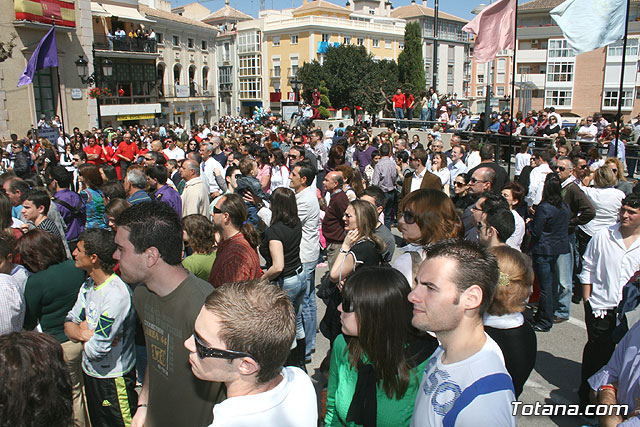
45	11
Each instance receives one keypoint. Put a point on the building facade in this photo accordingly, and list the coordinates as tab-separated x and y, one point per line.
22	107
292	37
549	74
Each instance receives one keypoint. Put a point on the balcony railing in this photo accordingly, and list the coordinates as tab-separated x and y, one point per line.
125	44
134	99
194	91
226	87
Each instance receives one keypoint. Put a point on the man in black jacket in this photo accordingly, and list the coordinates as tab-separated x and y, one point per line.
582	211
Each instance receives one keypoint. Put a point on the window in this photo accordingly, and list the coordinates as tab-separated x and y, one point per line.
159	38
249	66
176	40
450	73
610	99
560	72
376	43
45	96
387	44
276	68
558	98
294	39
480	91
293	71
559	49
276	41
250	88
524	69
480	78
190	43
224	78
249	42
500	77
226	53
347	40
500	90
360	41
325	37
615	49
451	53
203	45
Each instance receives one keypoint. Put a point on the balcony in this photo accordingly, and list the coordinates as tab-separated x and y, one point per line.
532	55
537	79
276	23
126	44
190	91
225	87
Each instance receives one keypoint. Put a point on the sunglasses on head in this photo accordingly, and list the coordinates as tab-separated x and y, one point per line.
204	351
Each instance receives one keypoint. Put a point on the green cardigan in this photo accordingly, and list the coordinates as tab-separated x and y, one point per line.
49	295
342	385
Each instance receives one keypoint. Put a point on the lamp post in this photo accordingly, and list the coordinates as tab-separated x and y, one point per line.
99	75
295	85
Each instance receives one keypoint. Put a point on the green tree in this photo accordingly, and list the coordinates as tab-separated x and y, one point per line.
410	61
325	103
378	86
311	74
345	67
6	48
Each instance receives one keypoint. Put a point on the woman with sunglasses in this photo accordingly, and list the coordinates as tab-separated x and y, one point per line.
427	216
192	146
280	248
552	129
461	197
375	372
618	170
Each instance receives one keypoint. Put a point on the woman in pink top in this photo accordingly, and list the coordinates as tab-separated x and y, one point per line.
264	169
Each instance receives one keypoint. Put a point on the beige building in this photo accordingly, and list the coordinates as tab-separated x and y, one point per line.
550	75
21	107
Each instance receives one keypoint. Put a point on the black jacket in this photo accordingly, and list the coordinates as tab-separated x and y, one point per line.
549	230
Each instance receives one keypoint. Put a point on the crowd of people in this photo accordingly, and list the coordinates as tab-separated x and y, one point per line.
162	276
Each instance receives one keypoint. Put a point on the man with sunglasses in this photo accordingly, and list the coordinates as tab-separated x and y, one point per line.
242	337
149	251
588	131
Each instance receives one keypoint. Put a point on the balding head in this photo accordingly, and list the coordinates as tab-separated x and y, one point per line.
156	146
482	180
333	181
190	169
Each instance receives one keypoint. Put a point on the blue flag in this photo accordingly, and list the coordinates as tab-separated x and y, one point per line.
45	55
590	24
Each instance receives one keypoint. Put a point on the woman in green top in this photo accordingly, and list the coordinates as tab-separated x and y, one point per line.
200	234
378	361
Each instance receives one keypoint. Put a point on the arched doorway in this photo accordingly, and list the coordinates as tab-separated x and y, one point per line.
177	71
160	79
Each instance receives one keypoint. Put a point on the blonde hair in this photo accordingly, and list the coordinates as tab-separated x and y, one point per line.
516	279
604	177
616	161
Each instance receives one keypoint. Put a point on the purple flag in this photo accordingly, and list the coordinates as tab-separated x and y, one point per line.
45	55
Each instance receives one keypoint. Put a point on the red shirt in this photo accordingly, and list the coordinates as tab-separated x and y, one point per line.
409	101
398	100
236	261
127	150
96	149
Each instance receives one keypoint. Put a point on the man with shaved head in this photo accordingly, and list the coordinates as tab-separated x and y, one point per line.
195	196
482	181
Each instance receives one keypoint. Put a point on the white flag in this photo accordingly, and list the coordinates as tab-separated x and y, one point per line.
590	24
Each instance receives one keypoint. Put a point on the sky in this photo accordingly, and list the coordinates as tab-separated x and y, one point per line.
461	8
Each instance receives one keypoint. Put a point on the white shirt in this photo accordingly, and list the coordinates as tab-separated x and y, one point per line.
442	384
12	305
292	403
176	154
608	265
456	169
592	129
607	202
473	159
207	169
404	264
522	160
445	176
416	181
536	184
518	234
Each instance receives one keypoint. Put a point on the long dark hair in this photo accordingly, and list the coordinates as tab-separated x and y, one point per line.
552	191
238	214
379	297
284	207
35	387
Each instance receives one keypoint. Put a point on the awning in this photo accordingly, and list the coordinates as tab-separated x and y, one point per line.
126	13
98	10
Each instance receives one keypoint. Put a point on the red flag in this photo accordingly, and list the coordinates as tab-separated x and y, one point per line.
51	9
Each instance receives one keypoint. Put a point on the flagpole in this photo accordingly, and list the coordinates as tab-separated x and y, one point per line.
53	24
624	58
513	87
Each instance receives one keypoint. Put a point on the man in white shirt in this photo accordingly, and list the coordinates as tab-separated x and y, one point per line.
611	258
173	151
209	164
538	176
589	131
465	379
242	337
457	166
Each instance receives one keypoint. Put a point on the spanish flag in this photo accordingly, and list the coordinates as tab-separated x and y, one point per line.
46	11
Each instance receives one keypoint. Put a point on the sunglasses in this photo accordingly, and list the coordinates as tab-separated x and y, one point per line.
291	156
409	217
584	167
459	184
347	305
562	168
474	180
204	351
216	210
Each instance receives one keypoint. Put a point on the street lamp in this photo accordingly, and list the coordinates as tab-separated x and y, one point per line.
295	85
82	67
